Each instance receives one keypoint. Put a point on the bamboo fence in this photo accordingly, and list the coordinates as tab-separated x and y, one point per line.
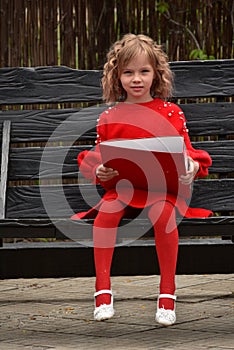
78	33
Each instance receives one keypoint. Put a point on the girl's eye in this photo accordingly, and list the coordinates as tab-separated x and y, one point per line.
127	72
145	70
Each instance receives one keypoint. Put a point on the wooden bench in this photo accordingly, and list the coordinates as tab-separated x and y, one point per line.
48	115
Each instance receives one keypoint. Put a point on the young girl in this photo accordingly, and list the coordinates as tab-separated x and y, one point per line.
137	73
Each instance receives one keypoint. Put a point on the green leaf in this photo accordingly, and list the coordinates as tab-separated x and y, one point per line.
162	7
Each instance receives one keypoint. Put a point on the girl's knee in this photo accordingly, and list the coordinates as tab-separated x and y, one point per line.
109	214
162	215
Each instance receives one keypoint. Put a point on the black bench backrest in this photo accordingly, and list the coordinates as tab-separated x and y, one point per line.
61	105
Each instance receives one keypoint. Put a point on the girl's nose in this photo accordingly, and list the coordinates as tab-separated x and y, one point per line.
136	77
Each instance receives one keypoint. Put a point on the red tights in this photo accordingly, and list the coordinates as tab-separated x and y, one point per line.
162	216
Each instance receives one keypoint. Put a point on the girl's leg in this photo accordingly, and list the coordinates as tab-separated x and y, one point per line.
163	218
104	237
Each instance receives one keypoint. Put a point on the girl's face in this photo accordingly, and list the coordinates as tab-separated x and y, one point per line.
137	78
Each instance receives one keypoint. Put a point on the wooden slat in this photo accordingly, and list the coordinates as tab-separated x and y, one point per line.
140	228
63	84
42	163
25	163
4	166
69	259
222	154
204	78
216	195
39	125
209	118
57	124
25	201
48	85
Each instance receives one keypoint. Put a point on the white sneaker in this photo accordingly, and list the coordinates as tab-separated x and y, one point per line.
163	316
104	311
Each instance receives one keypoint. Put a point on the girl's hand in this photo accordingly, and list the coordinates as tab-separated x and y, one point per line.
105	174
191	173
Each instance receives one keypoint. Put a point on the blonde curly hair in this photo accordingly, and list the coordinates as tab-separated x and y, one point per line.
121	53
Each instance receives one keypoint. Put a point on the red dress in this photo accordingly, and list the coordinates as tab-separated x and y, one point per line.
131	121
